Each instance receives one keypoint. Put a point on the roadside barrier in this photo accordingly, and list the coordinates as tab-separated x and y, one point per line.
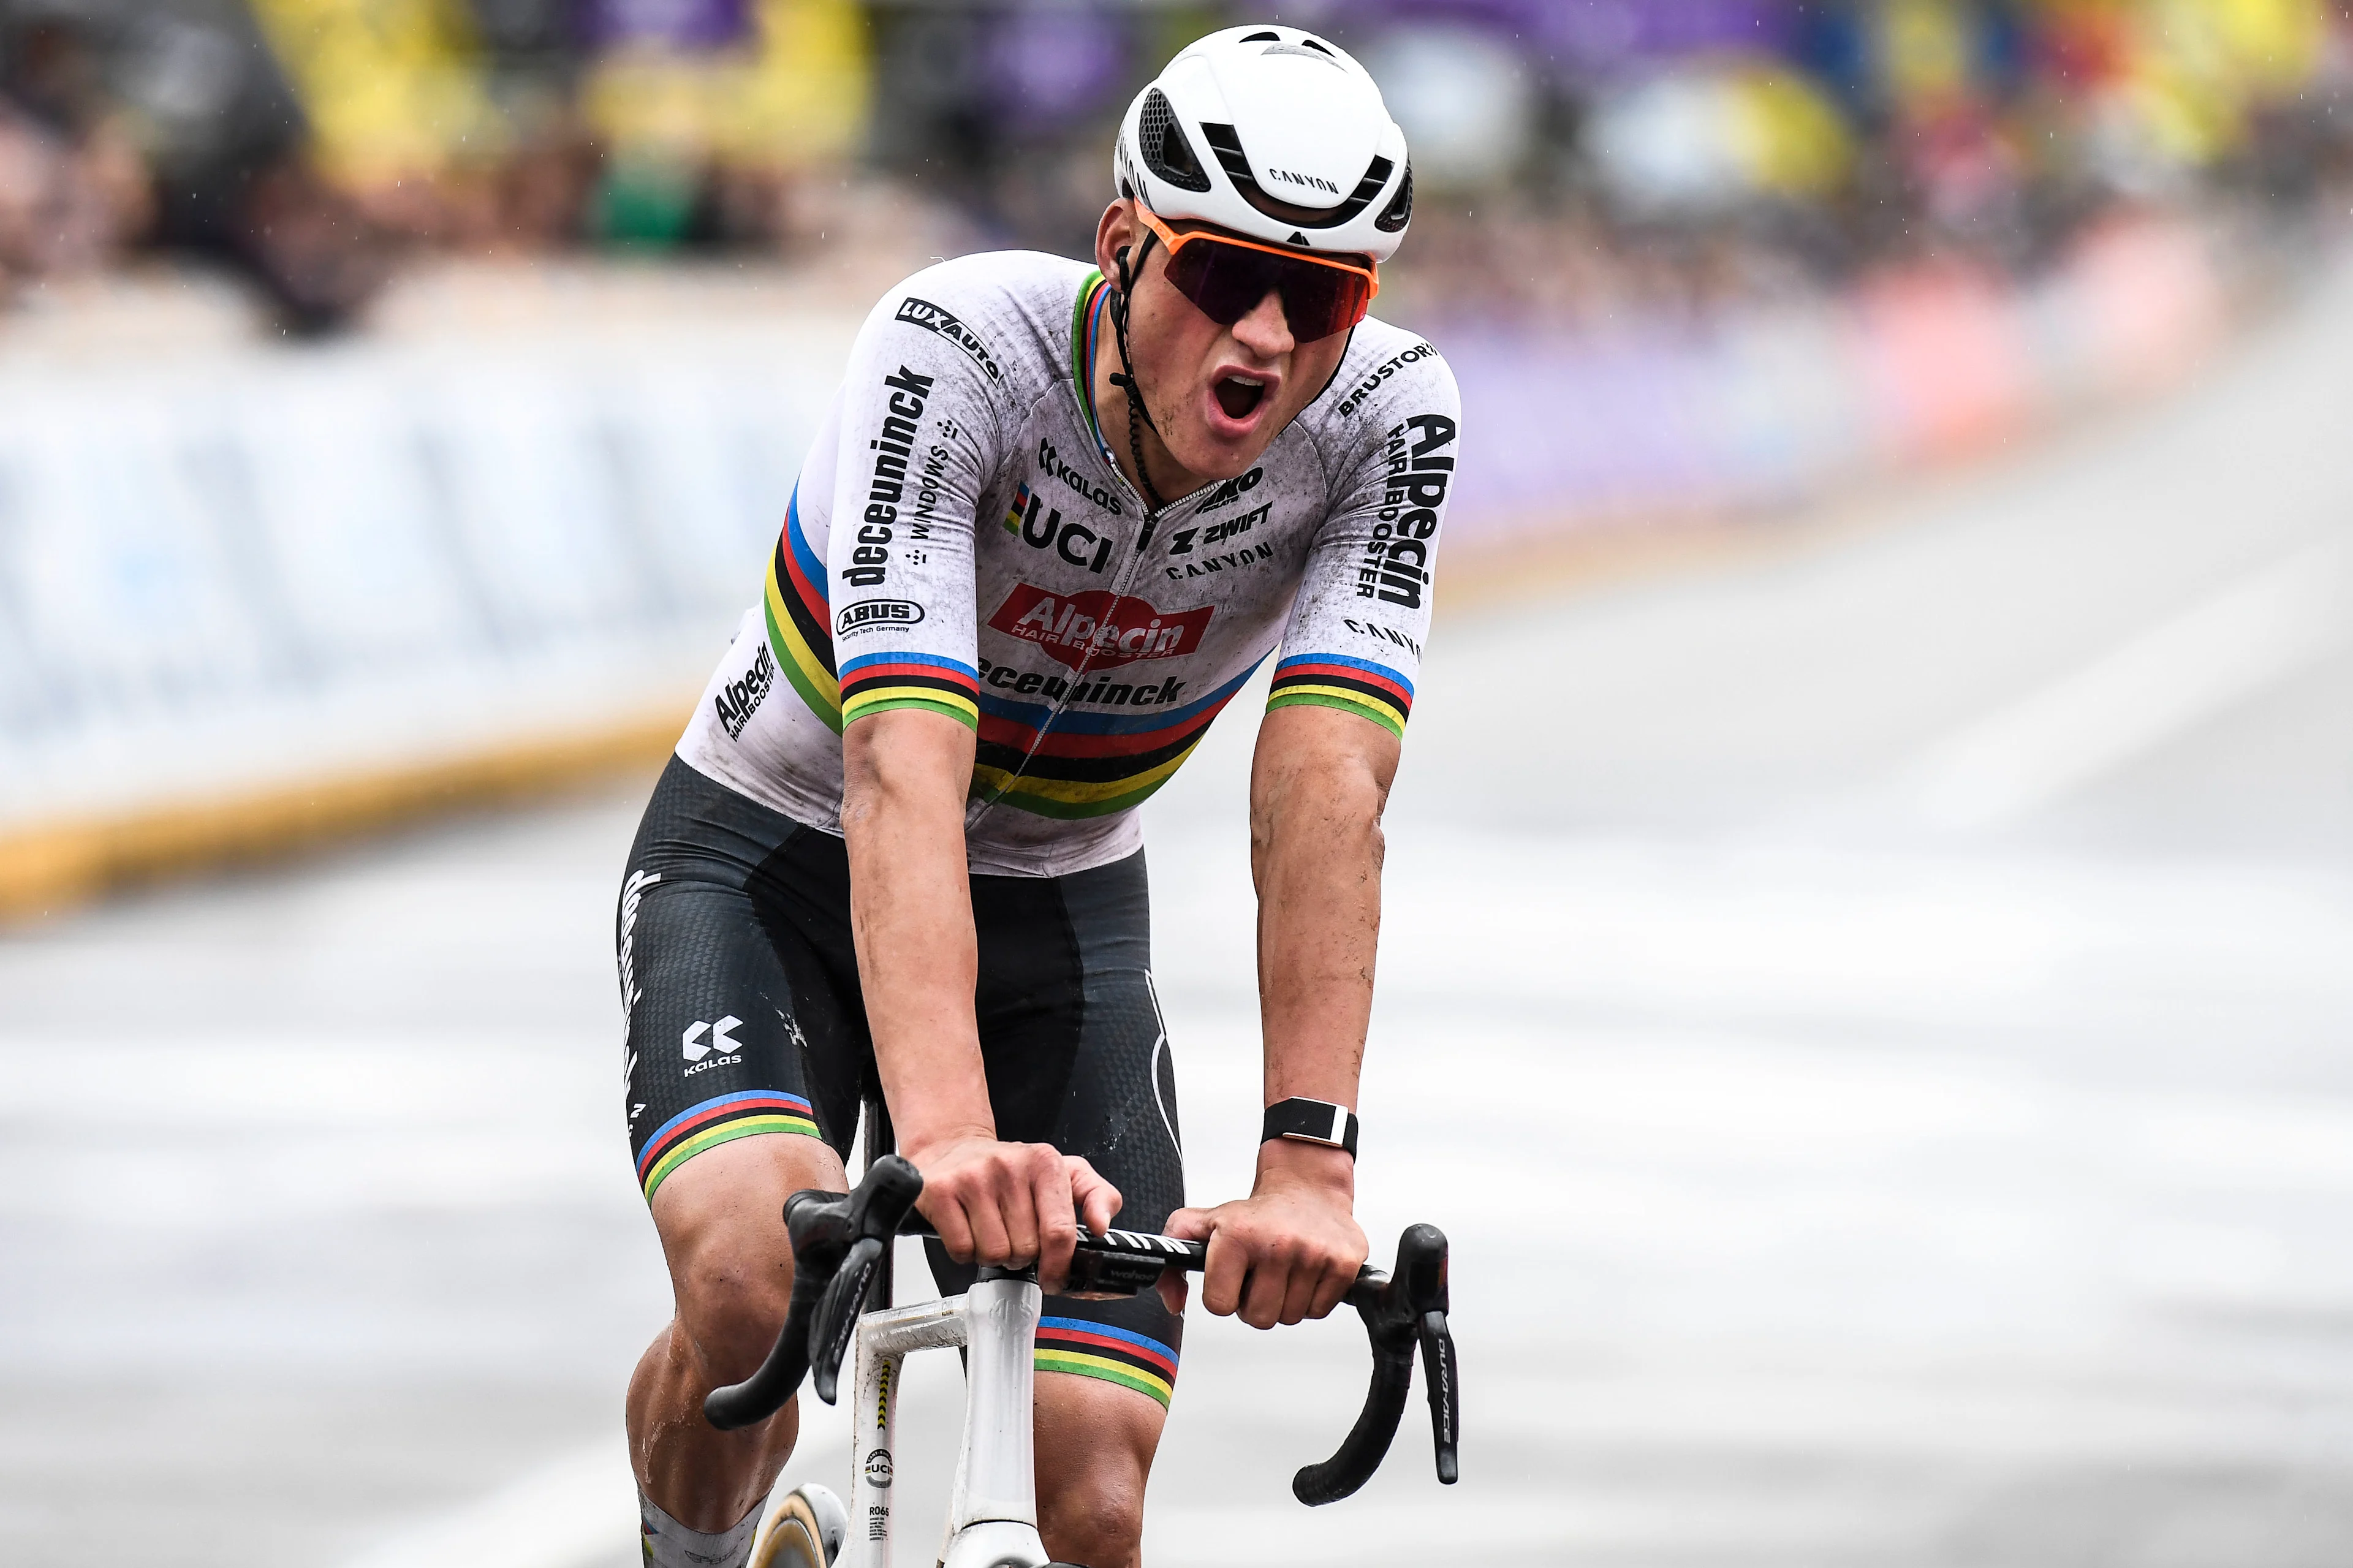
252	599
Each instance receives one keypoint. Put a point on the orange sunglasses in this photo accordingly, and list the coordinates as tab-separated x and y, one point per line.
1226	277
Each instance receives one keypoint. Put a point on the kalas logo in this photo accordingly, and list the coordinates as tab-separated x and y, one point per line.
1098	629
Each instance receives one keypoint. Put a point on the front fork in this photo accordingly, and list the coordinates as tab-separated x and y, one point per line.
993	1512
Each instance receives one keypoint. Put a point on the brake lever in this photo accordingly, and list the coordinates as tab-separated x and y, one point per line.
884	1199
1397	1312
834	1236
837	1315
1445	1414
816	1223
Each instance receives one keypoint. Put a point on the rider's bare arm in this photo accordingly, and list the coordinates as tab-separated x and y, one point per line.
1318	785
904	776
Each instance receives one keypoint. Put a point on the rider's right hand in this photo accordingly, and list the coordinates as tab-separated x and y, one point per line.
1011	1203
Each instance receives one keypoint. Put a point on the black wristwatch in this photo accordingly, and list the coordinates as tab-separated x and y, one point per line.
1312	1122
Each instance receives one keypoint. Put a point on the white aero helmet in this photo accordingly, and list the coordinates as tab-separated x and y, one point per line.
1273	133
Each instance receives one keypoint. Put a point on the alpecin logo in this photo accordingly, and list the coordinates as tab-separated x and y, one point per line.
741	698
1395	564
1098	629
932	319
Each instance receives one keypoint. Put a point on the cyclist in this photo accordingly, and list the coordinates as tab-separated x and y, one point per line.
1055	520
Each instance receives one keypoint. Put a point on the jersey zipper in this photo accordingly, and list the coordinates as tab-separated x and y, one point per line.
1057	706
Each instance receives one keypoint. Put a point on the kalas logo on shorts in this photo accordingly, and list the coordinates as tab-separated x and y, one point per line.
1098	629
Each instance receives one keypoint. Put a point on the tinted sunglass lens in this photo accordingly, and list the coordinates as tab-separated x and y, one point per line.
1227	282
1313	302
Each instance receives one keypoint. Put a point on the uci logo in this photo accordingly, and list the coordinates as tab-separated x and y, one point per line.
1041	528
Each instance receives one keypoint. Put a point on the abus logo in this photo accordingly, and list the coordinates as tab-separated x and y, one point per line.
695	1047
1098	629
872	613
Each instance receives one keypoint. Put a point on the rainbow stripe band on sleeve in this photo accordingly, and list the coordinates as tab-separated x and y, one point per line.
798	615
717	1122
1352	685
1113	1354
877	682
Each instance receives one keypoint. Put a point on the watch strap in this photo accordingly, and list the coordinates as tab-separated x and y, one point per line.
1312	1122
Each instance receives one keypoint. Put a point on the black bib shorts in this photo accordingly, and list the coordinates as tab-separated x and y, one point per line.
739	980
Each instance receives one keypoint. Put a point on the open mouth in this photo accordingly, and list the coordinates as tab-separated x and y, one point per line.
1238	396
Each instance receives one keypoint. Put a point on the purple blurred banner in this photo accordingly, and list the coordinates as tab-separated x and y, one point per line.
1598	34
1576	430
1051	67
676	23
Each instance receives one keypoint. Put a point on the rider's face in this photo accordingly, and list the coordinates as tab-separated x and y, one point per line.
1219	394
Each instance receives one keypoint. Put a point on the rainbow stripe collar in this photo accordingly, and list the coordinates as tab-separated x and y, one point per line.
1086	333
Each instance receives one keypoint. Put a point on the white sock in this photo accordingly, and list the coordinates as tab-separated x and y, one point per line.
670	1544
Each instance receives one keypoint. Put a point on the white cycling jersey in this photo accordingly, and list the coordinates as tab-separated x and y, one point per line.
960	539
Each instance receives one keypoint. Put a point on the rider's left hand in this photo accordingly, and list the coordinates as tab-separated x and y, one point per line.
1288	1251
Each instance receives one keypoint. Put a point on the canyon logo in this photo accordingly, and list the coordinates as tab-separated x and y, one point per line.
1098	629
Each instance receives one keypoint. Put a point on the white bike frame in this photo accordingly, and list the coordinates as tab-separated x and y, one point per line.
993	1512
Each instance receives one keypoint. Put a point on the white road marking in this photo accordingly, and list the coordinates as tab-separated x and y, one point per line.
2255	634
577	1509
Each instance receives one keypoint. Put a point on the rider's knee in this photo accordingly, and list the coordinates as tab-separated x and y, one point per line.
1098	1521
731	1267
729	1303
1092	1469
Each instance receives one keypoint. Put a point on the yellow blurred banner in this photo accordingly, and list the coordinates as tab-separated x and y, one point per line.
392	87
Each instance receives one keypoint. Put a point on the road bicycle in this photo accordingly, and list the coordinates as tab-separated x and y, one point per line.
841	1257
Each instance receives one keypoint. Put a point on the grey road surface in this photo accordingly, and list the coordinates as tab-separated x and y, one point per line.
1873	1010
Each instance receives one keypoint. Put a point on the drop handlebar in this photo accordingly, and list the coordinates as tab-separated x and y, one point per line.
841	1240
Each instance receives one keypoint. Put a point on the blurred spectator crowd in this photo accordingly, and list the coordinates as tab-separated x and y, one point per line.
1573	154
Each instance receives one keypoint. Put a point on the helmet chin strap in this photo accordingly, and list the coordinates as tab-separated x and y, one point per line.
1124	377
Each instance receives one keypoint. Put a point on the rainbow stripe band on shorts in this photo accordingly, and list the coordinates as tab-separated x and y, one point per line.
1113	1354
717	1122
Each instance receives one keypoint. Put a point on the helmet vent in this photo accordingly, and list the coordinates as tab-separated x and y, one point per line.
1165	152
1400	211
1260	39
1322	57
